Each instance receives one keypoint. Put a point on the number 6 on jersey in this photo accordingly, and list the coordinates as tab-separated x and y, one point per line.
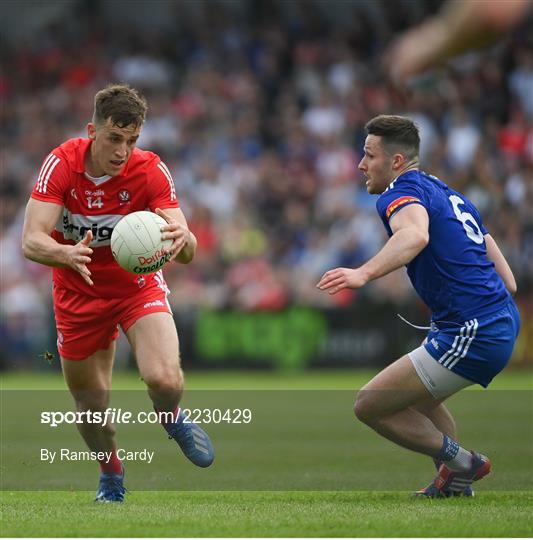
466	218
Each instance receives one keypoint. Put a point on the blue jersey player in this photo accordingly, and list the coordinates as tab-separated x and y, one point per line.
460	273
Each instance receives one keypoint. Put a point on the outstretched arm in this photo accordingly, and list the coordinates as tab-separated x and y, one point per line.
410	236
502	266
459	26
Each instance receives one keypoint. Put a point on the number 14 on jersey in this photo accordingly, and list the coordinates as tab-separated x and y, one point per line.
94	202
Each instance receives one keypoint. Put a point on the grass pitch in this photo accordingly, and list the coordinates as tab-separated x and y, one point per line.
266	514
494	512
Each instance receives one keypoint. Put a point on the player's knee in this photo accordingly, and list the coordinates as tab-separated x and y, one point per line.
91	400
165	381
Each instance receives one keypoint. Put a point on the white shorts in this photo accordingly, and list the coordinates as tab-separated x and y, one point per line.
439	381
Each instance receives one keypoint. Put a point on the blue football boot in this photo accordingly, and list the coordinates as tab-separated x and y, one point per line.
192	439
110	488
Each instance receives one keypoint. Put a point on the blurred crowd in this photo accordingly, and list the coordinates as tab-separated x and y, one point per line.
260	119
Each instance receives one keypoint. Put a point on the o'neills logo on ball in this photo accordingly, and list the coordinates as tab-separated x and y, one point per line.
153	263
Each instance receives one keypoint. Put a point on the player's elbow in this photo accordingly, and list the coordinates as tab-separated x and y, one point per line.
423	239
508	280
419	239
29	247
26	247
512	287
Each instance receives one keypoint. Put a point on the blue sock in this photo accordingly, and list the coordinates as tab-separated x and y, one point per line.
454	456
449	449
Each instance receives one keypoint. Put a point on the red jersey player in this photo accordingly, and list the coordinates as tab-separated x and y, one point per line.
84	187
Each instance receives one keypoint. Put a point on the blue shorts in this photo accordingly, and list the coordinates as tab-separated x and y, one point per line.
478	349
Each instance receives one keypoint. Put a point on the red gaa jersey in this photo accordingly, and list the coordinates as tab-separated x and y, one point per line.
98	204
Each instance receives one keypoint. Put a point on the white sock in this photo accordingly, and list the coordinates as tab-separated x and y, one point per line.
461	462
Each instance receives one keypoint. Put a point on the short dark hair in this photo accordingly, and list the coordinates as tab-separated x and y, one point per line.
397	133
123	104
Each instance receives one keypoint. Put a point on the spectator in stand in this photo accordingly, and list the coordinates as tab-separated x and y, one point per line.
269	117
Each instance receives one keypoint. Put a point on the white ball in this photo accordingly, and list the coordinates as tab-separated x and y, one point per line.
136	243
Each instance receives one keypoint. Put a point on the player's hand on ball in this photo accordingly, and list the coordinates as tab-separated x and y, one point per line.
78	257
337	279
174	231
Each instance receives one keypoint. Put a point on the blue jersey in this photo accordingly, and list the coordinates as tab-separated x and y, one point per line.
452	274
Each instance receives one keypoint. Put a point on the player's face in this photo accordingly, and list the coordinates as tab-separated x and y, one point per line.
112	147
376	165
